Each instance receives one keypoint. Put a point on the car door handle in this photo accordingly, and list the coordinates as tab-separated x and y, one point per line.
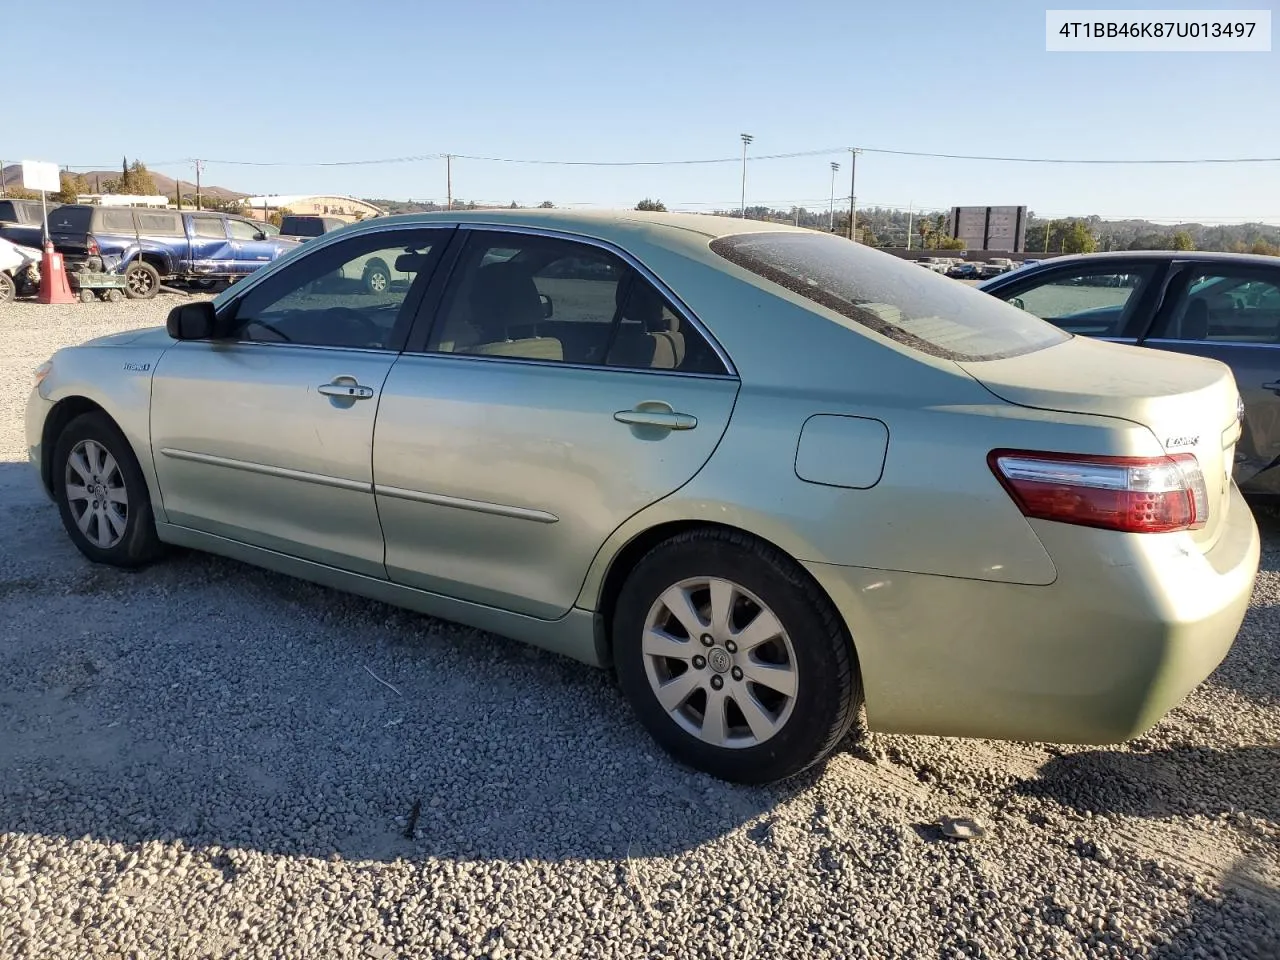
1273	386
666	419
346	391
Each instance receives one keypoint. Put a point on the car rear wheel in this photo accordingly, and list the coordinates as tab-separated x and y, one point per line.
8	289
142	281
732	657
102	495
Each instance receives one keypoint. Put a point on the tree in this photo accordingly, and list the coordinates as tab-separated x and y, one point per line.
1182	241
1264	248
20	193
514	206
1078	239
655	206
276	217
546	205
950	243
72	186
139	181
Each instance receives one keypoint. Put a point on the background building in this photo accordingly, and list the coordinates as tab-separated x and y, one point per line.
345	208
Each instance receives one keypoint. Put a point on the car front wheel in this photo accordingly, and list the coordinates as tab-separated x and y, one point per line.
733	659
102	495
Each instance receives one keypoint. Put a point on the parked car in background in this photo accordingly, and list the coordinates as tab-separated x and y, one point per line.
301	227
963	271
988	270
21	222
661	442
1224	306
152	246
19	270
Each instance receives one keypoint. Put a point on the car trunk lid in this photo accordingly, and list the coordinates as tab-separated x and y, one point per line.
1191	405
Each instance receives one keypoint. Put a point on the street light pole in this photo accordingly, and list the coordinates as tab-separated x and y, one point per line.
831	214
853	171
746	139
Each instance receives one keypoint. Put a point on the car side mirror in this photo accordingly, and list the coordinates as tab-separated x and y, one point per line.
548	307
1017	302
192	321
259	235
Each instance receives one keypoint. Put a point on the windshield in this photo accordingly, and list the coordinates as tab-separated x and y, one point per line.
917	308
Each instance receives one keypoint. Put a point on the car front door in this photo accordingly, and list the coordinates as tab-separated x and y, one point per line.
251	249
264	436
210	245
1108	298
557	393
1231	312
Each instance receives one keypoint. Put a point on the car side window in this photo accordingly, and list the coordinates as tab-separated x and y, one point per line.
240	230
1225	305
353	294
1097	302
652	335
530	297
208	227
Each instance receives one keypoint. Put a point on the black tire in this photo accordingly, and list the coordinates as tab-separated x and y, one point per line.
138	543
377	277
142	280
115	296
8	289
828	688
87	295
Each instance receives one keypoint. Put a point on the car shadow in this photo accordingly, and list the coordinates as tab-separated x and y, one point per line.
1164	783
210	702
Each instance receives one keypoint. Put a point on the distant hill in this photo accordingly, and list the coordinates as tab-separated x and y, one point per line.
12	177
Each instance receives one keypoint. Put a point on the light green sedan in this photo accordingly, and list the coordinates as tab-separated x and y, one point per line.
764	474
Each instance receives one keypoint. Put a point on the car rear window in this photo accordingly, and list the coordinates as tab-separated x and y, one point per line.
302	226
894	297
71	220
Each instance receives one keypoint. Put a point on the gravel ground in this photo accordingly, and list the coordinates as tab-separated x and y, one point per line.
198	761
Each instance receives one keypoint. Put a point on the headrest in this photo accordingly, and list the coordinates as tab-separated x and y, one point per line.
504	293
1195	322
644	305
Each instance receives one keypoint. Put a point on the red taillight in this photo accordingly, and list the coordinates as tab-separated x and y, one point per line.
1131	494
92	248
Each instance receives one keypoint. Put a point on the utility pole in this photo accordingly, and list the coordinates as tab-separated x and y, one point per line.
2	188
910	207
746	139
831	212
853	171
198	163
177	189
448	177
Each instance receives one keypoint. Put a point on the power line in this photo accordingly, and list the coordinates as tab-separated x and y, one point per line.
828	151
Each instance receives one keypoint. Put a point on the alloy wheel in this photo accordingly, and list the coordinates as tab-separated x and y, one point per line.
720	662
95	492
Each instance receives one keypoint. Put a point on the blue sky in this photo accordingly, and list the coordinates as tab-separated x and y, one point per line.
287	81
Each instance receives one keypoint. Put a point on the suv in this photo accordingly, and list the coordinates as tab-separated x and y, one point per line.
21	222
300	227
150	246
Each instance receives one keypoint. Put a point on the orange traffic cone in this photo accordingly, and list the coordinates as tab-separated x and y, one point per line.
54	287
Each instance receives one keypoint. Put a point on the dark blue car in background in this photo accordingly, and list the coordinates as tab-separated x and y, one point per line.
152	246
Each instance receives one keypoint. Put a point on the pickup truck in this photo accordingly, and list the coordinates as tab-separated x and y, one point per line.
152	246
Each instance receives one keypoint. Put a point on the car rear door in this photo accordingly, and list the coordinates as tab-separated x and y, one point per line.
1230	311
557	393
210	245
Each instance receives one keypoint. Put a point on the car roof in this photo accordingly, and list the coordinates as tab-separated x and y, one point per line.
1159	255
673	231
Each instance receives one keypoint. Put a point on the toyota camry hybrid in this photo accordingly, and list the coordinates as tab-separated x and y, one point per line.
765	474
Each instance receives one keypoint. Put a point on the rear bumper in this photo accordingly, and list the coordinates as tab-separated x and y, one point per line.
1129	628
